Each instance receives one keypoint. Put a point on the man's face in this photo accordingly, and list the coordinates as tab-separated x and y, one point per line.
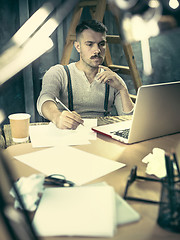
91	45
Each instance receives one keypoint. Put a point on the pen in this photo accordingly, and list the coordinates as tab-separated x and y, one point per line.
64	106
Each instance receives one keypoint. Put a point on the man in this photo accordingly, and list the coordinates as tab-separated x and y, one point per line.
89	81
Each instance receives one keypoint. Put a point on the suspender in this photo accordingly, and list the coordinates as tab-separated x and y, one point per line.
106	99
70	94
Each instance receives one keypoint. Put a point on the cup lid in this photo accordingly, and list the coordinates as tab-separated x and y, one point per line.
19	116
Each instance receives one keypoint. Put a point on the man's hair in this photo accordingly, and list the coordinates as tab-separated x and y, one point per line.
90	24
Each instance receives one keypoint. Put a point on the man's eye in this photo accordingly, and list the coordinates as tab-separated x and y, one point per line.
89	44
102	44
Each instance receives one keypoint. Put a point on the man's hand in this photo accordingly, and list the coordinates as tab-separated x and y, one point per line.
68	120
110	77
62	120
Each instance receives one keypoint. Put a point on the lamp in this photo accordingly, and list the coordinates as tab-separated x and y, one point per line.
32	39
24	56
141	19
145	18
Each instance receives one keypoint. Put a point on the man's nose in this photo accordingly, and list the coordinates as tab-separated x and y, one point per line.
96	48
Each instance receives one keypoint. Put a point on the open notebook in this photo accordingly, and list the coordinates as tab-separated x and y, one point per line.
156	113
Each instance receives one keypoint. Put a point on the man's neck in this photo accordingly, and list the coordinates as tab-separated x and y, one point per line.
90	72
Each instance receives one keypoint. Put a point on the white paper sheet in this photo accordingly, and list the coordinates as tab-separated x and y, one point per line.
76	165
49	135
77	211
124	212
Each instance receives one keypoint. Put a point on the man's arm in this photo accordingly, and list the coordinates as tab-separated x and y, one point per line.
53	81
127	102
110	77
64	119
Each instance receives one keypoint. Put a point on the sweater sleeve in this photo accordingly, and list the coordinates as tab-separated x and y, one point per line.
118	105
118	102
51	86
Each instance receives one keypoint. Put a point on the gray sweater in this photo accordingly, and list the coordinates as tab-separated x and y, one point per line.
88	98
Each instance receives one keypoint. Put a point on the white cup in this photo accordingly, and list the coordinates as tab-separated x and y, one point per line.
19	123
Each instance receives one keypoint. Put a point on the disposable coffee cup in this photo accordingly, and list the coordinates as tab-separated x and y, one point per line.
19	123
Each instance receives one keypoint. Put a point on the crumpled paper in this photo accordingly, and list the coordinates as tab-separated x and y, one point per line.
29	189
156	163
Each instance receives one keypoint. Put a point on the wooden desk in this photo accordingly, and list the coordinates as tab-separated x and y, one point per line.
6	137
147	228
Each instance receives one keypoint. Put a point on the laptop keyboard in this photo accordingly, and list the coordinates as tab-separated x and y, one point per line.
122	133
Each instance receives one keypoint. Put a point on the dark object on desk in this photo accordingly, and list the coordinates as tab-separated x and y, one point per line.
169	211
16	222
132	178
58	180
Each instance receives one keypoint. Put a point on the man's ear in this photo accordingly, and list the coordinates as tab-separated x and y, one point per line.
77	46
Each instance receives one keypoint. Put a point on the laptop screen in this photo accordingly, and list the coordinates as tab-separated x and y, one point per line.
17	223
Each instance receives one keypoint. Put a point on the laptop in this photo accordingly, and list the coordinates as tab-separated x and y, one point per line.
156	114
